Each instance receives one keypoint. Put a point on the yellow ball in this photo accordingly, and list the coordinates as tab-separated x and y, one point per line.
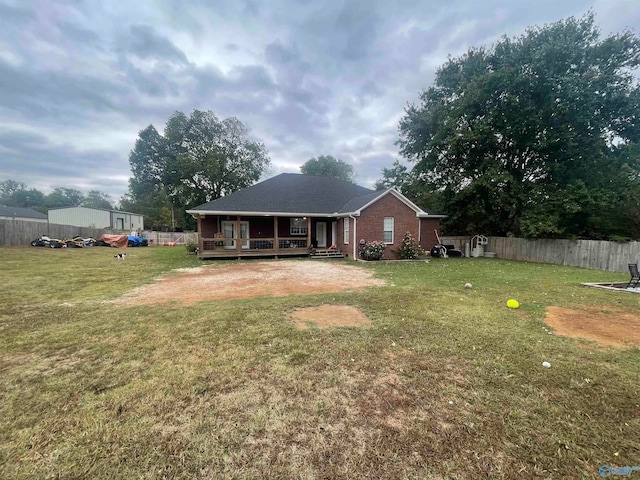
511	303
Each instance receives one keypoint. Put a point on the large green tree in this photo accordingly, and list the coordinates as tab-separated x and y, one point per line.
198	158
8	188
97	199
17	194
398	177
147	194
534	136
419	189
64	197
328	166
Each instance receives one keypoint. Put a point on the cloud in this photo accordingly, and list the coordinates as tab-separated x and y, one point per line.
145	43
10	15
80	35
78	80
54	165
29	93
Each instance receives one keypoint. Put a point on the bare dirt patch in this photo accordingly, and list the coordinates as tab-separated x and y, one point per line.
605	325
329	316
250	279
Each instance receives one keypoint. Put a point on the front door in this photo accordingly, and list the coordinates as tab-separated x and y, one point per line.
321	234
229	230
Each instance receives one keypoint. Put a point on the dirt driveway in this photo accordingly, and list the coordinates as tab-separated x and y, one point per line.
251	279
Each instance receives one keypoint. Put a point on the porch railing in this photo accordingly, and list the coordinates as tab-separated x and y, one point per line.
219	243
292	242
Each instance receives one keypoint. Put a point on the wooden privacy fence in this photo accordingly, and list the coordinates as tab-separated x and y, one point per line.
595	254
22	232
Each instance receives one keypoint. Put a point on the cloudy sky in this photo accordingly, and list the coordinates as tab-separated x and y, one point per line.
80	78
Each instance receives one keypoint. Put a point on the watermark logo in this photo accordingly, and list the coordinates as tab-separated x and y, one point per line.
606	470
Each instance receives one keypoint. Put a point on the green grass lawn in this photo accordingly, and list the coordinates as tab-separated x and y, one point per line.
445	383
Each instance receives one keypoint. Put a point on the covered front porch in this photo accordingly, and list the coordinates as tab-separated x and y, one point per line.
236	236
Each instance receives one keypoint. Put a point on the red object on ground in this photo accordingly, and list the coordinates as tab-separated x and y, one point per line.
119	241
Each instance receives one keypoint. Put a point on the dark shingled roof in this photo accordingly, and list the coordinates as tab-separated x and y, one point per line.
359	202
294	193
8	211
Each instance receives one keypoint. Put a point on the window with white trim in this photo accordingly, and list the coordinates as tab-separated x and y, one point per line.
388	229
298	226
346	230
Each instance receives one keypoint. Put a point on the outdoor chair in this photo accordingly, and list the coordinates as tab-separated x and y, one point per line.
635	276
219	239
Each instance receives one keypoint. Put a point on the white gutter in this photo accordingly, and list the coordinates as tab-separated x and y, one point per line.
355	235
193	213
260	214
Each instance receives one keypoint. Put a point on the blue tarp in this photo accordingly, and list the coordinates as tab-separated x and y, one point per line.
136	240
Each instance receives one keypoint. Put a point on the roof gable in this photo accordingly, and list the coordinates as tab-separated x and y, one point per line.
395	193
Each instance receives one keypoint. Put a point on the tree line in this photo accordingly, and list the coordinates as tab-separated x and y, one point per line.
18	194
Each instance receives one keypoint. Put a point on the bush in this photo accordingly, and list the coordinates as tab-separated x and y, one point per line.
371	250
619	239
191	247
409	250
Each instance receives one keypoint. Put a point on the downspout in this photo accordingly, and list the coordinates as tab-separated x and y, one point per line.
355	235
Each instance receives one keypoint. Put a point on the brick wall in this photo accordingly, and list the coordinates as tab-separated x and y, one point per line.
260	227
208	226
370	224
428	237
284	227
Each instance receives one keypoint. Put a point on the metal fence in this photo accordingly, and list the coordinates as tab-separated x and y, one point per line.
170	238
595	254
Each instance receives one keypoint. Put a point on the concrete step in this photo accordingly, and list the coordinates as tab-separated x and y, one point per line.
317	253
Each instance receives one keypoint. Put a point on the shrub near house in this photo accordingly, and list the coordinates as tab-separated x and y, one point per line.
409	250
371	250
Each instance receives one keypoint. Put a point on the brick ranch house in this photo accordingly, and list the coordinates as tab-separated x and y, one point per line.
293	214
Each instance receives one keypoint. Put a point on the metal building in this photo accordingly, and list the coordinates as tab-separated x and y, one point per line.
19	213
96	218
